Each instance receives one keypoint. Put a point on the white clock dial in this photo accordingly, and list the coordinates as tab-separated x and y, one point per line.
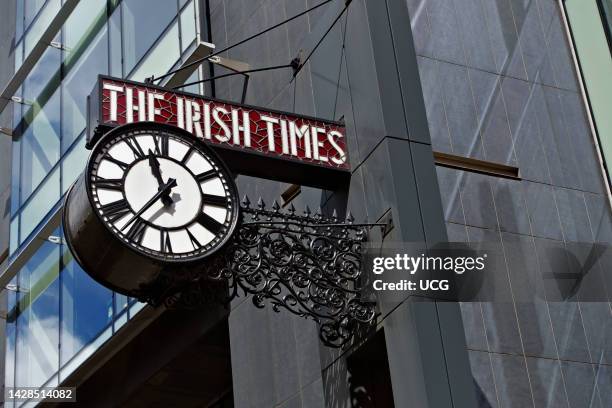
163	194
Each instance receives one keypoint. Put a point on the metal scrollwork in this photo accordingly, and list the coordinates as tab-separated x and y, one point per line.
307	264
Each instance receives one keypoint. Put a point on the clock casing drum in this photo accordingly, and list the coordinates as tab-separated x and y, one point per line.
133	270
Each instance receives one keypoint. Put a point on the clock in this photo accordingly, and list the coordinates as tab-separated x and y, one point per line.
152	200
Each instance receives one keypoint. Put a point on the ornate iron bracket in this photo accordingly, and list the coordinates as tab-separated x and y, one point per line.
307	264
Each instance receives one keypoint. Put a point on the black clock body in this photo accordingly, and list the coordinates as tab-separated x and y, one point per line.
152	202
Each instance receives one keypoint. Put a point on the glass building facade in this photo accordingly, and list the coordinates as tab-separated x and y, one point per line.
57	315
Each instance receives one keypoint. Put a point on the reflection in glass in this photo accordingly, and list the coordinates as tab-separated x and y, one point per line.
87	308
188	28
140	33
44	78
40	144
37	315
47	14
163	57
32	7
14	239
78	85
114	40
40	204
15	173
84	23
73	163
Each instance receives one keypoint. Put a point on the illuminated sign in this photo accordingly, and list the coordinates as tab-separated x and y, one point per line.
241	133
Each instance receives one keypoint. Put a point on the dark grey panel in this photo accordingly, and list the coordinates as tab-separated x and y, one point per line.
365	96
484	382
429	193
387	70
325	72
542	210
475	34
451	182
599	217
529	297
547	382
477	200
445	32
408	74
533	43
510	206
492	118
573	214
473	322
511	380
460	110
433	96
504	38
560	55
421	27
580	384
564	142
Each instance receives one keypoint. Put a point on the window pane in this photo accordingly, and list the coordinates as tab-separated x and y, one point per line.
140	33
19	18
163	57
195	88
78	85
14	242
87	308
114	25
83	24
11	330
42	22
74	163
44	78
40	145
31	9
37	318
40	204
15	172
188	28
18	52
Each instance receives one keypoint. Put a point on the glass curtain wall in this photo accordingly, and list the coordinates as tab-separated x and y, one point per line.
58	316
129	38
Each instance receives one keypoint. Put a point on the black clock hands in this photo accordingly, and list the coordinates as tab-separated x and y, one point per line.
165	189
154	164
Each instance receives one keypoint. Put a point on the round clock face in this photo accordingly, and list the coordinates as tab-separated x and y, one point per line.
162	192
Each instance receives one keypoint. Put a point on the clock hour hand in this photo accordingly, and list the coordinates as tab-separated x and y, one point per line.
154	164
164	190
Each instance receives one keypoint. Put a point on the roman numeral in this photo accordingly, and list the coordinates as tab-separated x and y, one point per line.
188	154
108	184
209	223
116	210
162	144
219	201
207	175
136	231
164	244
119	163
135	147
196	244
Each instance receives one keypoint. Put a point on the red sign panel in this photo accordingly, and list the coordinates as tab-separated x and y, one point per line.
271	133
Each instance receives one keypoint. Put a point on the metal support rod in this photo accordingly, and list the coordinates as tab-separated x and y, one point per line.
198	61
234	73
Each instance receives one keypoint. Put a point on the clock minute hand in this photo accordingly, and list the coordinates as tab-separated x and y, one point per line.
163	190
154	164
